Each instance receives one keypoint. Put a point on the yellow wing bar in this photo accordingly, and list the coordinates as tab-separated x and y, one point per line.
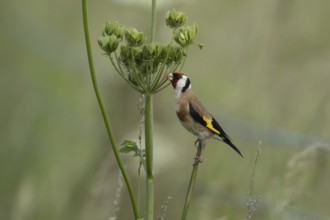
209	124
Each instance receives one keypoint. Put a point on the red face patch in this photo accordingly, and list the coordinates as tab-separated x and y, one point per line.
176	77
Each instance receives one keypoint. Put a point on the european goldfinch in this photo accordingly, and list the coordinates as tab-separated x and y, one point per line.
193	115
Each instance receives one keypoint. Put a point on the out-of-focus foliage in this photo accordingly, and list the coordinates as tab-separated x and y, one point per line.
264	73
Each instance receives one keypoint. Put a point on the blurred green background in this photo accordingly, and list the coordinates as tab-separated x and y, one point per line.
264	73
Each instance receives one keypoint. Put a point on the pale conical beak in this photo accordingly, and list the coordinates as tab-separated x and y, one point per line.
170	76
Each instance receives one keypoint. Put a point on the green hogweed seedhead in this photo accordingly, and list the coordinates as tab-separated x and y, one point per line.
186	35
142	65
108	43
115	29
175	19
133	37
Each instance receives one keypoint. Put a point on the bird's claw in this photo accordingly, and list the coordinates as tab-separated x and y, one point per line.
198	160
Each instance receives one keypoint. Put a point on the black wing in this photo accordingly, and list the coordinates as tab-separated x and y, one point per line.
214	126
196	116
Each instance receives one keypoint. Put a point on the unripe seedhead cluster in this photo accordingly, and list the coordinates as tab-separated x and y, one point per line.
144	65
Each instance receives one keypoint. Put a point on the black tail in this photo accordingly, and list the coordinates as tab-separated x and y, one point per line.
228	141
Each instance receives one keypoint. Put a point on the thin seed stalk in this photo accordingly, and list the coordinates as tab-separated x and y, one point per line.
201	145
153	21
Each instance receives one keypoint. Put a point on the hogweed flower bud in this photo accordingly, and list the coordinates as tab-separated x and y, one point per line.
114	28
201	46
137	56
175	19
108	43
186	35
133	37
174	55
153	56
177	54
152	51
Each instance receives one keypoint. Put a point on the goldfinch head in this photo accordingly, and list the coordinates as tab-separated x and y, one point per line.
180	82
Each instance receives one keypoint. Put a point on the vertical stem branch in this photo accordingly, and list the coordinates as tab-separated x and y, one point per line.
104	112
153	21
201	145
148	129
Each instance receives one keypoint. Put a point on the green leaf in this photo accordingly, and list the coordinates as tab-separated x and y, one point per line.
130	146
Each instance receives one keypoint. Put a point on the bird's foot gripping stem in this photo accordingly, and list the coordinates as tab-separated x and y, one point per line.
200	148
198	160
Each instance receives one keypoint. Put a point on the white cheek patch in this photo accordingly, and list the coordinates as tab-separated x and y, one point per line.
181	83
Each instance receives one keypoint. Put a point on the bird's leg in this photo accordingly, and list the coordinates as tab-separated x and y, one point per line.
200	148
196	142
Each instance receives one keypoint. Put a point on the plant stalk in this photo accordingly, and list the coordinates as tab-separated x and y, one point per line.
104	112
201	145
153	21
148	129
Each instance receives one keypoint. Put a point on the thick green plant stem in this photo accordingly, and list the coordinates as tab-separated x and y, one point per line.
198	158
104	112
148	129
